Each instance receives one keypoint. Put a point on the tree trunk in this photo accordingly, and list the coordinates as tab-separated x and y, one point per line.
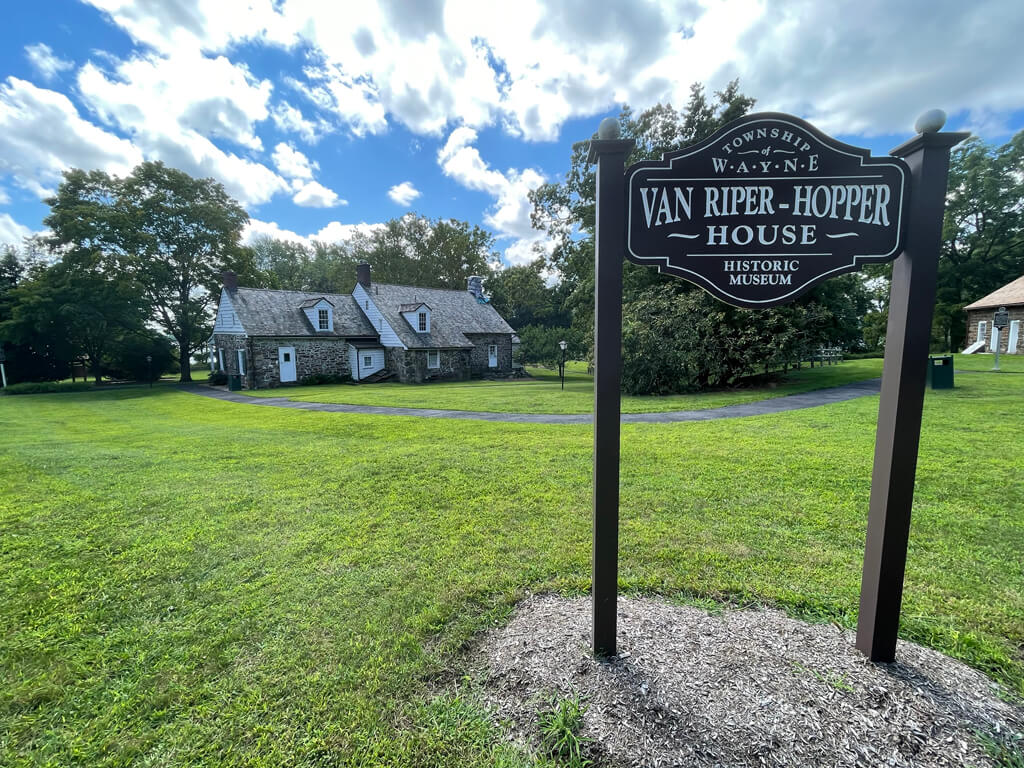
184	362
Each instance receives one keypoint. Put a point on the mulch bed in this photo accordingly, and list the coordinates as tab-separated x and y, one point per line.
743	688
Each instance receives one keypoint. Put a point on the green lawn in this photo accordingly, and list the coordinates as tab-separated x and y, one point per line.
1007	363
543	392
185	581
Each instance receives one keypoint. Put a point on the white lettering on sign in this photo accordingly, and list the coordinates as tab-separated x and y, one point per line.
761	271
738	201
786	137
670	209
762	234
866	203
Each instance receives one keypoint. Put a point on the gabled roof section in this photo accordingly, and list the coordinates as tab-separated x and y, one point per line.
412	307
1007	296
313	302
452	315
265	312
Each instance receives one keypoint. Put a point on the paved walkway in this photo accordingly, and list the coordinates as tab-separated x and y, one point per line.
761	407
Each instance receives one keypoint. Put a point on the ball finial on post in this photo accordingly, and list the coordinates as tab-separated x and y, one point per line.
931	121
608	129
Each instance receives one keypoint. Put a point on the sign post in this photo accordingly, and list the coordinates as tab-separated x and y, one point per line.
1000	320
757	214
911	304
609	152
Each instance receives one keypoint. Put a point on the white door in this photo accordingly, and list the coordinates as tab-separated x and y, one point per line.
492	355
286	361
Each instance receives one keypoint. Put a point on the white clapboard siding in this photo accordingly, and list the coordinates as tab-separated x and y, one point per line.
388	337
227	318
357	362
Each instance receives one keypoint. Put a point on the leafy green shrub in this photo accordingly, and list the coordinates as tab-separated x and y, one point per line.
39	387
677	339
325	378
217	378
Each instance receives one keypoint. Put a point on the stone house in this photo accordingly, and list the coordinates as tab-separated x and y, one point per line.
980	330
273	337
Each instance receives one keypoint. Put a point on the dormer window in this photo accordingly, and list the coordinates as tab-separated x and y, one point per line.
319	312
417	315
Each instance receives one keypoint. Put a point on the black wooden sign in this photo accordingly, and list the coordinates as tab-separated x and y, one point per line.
764	209
1001	319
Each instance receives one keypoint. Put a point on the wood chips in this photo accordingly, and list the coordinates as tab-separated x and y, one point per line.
745	688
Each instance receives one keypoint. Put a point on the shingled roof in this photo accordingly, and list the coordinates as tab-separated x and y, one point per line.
1007	296
264	312
453	314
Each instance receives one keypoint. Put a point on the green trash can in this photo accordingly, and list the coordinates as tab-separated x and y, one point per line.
940	371
235	382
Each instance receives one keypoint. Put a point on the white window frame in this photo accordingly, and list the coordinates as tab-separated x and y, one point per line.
437	359
490	356
240	356
323	319
367	361
421	322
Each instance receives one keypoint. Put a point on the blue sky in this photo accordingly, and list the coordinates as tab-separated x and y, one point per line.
322	120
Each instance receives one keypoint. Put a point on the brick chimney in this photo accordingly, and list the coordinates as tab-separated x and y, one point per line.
230	280
475	285
363	274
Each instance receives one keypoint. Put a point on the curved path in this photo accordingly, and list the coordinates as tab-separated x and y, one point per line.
761	407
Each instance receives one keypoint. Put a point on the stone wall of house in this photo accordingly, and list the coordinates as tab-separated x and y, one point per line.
410	365
311	356
974	316
229	344
261	359
478	355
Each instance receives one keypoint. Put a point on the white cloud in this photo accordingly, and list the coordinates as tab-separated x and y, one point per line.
336	232
11	232
255	228
46	62
404	193
4	197
42	134
332	232
172	25
289	119
292	163
854	66
184	92
510	214
172	106
313	194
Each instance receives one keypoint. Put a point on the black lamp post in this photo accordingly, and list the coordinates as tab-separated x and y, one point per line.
149	369
561	368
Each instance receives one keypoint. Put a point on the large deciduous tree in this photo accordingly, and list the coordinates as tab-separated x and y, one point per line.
983	231
411	250
170	233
